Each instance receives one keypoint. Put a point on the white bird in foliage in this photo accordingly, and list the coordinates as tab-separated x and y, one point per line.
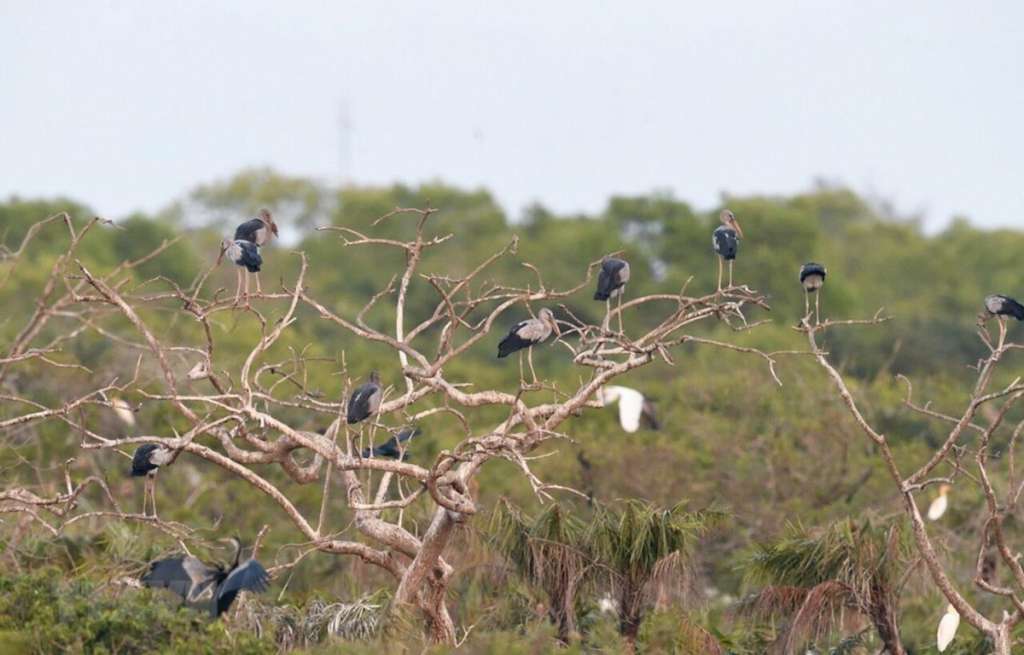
947	628
632	407
940	504
123	411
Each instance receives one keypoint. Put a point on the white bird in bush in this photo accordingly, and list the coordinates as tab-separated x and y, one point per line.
940	504
123	411
632	407
947	628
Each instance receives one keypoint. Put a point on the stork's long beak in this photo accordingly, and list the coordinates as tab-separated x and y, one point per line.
554	326
220	255
736	226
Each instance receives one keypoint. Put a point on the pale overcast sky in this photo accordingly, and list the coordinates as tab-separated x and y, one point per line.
127	105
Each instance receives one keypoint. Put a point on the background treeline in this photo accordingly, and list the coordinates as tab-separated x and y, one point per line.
773	459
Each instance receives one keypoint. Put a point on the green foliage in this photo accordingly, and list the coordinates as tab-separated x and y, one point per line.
42	613
732	438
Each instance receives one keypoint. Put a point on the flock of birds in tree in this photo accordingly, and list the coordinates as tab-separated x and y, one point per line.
196	582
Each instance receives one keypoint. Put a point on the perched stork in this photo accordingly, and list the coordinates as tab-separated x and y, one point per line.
146	461
633	407
244	254
392	448
611	283
196	582
365	400
525	335
259	230
947	628
940	504
812	278
726	242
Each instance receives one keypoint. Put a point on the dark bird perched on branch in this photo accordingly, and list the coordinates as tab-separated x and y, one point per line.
196	582
146	461
812	278
260	231
392	447
1000	305
611	283
526	334
726	242
365	400
244	254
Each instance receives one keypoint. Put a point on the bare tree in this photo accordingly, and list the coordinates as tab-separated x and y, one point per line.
949	464
237	423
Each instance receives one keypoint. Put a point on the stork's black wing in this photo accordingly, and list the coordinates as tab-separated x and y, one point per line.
185	576
247	230
614	274
390	447
812	268
1012	308
650	415
140	460
248	576
725	242
513	342
365	400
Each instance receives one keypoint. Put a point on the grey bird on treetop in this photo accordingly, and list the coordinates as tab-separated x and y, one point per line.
611	283
726	242
525	335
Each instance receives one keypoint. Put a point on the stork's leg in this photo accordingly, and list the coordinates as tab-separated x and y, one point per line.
817	306
259	290
238	285
730	273
807	303
247	288
719	273
621	330
1002	331
606	324
529	358
521	378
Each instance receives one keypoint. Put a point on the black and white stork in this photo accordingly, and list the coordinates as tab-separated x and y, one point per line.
146	461
259	230
365	400
611	283
812	278
1001	307
726	242
198	583
525	335
244	254
392	448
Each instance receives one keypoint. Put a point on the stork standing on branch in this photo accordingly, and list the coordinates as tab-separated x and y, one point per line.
259	230
1001	307
525	335
726	242
365	400
392	448
244	254
196	582
611	283
812	278
146	461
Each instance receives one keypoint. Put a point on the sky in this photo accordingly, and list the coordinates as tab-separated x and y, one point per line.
128	105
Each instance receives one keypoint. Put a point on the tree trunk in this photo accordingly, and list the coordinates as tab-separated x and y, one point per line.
883	616
563	614
1002	640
